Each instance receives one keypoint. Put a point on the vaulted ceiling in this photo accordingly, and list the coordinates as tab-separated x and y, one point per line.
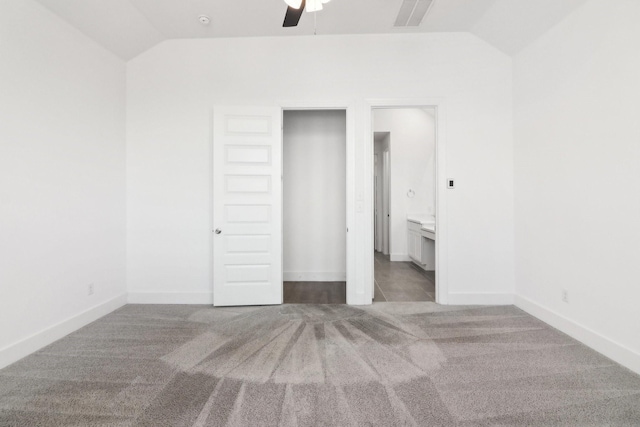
129	27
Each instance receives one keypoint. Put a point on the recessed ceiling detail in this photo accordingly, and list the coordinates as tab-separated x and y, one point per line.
412	13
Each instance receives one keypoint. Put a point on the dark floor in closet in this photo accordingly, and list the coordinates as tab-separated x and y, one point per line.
315	292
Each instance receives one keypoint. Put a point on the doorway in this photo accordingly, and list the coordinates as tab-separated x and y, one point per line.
314	206
381	171
404	203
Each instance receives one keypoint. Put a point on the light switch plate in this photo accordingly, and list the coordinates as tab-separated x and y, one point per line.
451	183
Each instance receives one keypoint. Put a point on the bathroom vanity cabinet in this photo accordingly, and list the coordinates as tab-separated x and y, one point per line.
421	241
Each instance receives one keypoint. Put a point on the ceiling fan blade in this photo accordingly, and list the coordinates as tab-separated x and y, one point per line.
292	17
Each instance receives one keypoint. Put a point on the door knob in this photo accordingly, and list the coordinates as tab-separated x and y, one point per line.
218	231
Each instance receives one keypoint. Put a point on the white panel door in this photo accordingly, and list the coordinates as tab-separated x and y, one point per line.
247	206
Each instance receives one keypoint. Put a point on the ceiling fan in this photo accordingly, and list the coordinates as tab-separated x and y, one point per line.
296	7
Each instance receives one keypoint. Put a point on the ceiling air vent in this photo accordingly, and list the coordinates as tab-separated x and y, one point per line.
412	12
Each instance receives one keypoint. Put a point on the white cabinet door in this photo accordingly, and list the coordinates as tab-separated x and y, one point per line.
414	246
414	240
411	245
247	206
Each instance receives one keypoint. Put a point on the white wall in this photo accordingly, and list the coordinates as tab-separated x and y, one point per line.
412	151
315	195
172	87
577	162
62	179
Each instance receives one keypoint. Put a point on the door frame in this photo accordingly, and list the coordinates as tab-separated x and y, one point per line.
349	110
354	296
442	294
376	235
386	201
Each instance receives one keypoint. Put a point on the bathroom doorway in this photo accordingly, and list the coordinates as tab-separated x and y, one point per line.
404	158
314	206
381	171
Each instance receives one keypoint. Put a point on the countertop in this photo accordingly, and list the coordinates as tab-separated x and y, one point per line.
429	227
423	220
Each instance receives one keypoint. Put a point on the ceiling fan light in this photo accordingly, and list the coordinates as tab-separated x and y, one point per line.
294	3
313	5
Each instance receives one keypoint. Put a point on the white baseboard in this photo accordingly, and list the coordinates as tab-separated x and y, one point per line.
613	350
399	257
170	298
312	276
467	298
16	351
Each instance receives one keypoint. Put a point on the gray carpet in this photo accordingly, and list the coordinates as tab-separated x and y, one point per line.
390	364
